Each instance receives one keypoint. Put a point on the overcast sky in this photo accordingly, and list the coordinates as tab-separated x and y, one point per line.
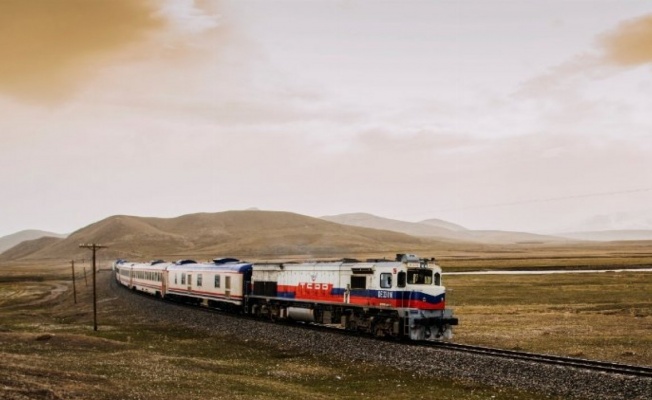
520	115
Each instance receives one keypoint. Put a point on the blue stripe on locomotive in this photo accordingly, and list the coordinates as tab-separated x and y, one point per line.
370	293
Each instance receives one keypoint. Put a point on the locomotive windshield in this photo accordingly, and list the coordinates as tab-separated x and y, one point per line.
419	276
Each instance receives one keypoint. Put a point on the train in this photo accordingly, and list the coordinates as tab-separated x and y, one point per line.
402	298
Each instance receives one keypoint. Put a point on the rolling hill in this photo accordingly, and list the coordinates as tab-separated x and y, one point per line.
432	229
28	247
440	223
441	230
250	234
267	235
9	241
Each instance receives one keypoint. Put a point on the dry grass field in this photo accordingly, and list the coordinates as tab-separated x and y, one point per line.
48	350
605	316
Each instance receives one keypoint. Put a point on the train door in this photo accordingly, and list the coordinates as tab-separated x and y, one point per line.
189	282
227	286
246	283
401	281
404	295
359	293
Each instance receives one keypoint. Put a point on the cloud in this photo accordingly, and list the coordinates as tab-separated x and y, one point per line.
599	84
630	45
48	47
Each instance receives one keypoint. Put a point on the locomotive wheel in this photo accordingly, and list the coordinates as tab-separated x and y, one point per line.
378	332
351	326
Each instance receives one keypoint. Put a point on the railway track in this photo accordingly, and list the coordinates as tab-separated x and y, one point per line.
602	366
580	363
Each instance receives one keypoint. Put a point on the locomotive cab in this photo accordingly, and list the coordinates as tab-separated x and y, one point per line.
423	299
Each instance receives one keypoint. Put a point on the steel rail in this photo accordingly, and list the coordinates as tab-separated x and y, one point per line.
603	366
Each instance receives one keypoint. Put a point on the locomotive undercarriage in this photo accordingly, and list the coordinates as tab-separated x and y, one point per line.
429	324
412	324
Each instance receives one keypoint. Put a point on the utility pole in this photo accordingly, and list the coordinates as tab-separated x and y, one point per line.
74	288
94	247
85	280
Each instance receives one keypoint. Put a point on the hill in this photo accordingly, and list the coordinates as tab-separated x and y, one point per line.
432	228
9	241
247	234
441	230
440	223
28	247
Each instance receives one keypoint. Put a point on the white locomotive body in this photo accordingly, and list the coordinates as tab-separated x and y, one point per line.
403	298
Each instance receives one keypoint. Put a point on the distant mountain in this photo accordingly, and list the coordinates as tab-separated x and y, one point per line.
609	235
440	223
430	228
511	237
439	229
610	227
249	234
625	221
9	241
28	247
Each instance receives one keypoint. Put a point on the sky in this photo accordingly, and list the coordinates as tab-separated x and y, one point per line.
514	115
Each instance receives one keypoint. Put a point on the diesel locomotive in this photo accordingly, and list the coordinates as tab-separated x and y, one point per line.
400	298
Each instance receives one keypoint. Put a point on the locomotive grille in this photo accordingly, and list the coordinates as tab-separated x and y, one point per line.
265	288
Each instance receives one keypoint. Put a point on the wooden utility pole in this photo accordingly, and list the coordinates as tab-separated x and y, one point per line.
94	247
74	288
85	280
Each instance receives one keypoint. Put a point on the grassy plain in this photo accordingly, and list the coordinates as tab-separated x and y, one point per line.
604	316
548	256
48	350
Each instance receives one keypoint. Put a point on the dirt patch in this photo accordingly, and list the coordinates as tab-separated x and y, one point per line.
34	293
61	341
